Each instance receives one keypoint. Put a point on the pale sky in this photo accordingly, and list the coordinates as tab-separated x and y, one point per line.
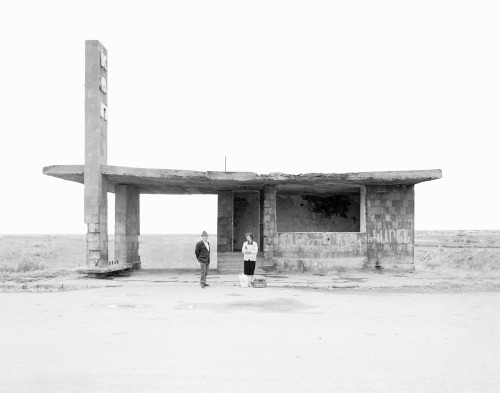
276	86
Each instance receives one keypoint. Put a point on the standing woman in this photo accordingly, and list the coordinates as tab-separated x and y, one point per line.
249	250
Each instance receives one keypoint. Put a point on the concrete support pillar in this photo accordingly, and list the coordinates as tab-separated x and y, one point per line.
127	225
390	229
362	209
95	194
269	223
225	212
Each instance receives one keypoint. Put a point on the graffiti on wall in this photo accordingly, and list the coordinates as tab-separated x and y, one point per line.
390	225
324	242
390	236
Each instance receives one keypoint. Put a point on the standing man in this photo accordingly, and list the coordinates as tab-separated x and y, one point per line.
202	252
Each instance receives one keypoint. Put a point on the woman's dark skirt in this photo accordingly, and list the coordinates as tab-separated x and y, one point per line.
248	268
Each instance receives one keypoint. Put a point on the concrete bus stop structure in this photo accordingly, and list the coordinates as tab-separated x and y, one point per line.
307	222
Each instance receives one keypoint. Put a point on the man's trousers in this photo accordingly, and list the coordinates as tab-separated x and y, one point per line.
203	274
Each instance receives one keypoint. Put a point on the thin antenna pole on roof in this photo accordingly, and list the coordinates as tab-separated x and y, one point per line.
224	163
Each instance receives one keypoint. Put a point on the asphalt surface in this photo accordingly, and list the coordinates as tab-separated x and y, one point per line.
156	331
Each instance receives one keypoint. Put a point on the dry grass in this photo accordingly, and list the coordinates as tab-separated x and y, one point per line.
458	252
172	251
26	257
21	253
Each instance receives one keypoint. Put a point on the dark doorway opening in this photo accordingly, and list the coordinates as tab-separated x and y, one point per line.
246	217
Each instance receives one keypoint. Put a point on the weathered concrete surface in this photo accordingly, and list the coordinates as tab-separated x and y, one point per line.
101	272
320	252
169	181
149	339
96	148
127	225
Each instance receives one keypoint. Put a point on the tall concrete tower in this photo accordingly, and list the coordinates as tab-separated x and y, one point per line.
96	153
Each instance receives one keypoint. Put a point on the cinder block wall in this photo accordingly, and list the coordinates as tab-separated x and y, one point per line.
328	213
268	198
390	218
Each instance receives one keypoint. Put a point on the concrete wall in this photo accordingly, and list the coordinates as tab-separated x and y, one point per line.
390	217
318	213
319	252
246	217
225	211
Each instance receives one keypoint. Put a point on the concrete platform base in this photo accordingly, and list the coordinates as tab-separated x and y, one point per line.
101	272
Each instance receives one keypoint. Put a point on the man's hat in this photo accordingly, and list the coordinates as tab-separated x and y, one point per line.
204	233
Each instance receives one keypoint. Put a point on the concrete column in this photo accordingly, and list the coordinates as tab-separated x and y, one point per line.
362	209
269	223
225	212
127	225
95	194
390	229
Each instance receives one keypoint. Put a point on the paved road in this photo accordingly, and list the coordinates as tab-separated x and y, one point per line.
181	338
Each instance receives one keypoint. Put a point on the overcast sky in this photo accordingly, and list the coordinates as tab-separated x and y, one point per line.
276	86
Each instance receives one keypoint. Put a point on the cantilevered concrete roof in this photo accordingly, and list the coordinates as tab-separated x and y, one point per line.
172	181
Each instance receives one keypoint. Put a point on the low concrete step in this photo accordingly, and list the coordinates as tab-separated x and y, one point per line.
232	262
258	271
229	264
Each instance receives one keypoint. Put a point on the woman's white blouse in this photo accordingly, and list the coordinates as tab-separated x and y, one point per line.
250	251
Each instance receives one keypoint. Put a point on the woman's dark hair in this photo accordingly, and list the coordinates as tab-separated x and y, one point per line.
251	236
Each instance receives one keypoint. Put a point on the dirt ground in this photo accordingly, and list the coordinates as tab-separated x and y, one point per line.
158	337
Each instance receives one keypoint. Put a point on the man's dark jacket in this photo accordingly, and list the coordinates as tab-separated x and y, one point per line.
201	252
